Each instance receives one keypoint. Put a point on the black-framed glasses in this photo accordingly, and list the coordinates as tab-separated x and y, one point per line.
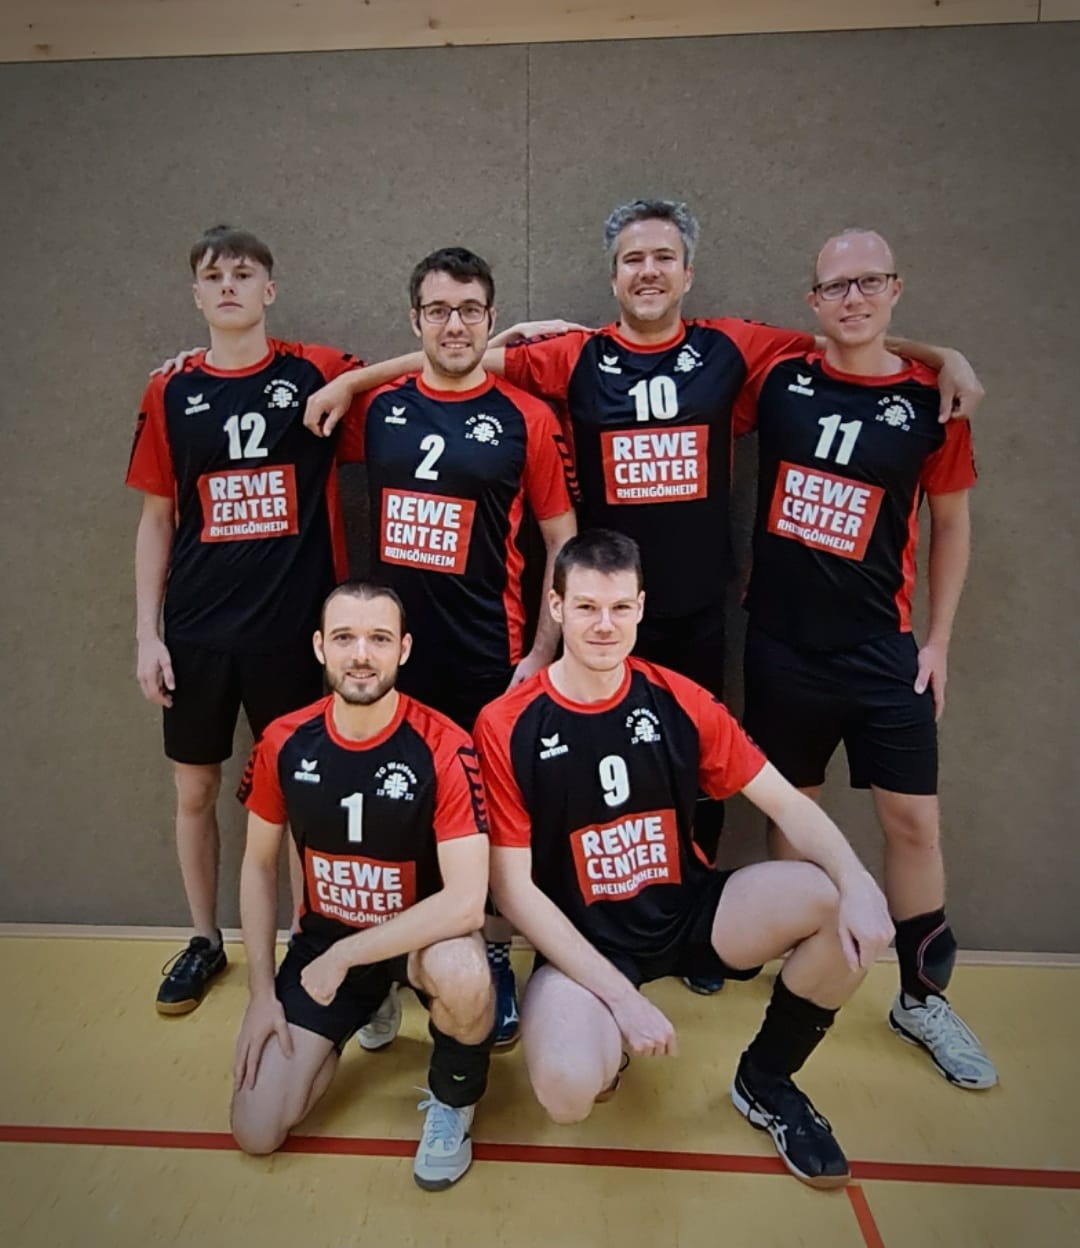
868	284
471	313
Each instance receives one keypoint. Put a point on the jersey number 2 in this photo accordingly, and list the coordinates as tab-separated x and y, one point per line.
434	445
354	804
254	425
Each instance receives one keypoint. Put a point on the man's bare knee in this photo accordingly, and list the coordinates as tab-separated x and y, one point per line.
197	788
456	975
567	1096
256	1131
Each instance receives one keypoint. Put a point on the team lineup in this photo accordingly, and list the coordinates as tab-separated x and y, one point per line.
442	782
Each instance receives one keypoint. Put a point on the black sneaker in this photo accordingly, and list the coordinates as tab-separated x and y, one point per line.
802	1136
188	974
704	985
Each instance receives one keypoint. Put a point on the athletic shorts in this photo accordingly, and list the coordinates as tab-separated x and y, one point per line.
690	953
361	993
692	645
211	687
800	704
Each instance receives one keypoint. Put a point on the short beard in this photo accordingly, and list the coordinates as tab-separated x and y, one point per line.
357	698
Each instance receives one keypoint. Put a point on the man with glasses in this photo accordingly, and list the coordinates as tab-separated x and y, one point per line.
849	442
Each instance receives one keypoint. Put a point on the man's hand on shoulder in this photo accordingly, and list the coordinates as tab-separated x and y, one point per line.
961	390
175	363
524	330
326	407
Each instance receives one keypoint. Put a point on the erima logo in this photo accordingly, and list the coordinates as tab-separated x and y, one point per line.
609	364
801	385
552	748
397	415
897	412
307	773
195	405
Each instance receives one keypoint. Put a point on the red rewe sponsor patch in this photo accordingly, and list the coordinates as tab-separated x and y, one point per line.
358	891
617	860
426	530
824	512
243	504
656	465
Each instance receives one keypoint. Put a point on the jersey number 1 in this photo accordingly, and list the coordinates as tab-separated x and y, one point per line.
354	804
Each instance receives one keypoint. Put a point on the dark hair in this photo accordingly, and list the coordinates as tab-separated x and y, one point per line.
461	264
652	210
599	550
366	591
232	243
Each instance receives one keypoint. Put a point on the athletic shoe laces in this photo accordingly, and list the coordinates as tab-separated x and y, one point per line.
942	1026
190	959
444	1127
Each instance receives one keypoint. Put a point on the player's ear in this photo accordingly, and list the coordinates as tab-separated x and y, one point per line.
555	606
640	606
897	288
689	276
317	646
406	649
270	293
195	295
414	321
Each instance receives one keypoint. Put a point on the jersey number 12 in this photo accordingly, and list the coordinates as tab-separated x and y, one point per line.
254	425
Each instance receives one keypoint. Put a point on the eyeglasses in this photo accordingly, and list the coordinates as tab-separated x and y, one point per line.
868	284
440	313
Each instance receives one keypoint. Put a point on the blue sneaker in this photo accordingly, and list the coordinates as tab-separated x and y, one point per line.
507	1023
703	985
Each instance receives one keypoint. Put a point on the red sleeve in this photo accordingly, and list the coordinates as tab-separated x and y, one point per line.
150	468
509	821
952	466
547	460
460	809
330	361
728	759
260	789
544	365
761	346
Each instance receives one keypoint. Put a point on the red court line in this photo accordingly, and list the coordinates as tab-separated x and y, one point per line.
865	1219
547	1154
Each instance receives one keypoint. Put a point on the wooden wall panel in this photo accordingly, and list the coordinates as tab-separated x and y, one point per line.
35	30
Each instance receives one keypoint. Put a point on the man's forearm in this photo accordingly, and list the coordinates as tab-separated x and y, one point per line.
258	918
548	930
442	916
360	380
153	546
950	550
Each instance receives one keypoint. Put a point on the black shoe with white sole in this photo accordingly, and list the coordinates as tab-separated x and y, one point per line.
802	1136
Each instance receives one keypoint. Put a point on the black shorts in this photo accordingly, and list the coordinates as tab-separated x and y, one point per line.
211	686
800	704
361	993
690	953
692	645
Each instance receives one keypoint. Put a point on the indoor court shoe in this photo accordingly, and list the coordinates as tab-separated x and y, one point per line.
507	1023
382	1027
445	1149
802	1136
703	985
605	1094
188	974
936	1027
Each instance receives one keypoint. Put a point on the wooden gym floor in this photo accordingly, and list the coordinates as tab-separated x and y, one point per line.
114	1131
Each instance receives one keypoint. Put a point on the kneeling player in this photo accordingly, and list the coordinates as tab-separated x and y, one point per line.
592	769
385	804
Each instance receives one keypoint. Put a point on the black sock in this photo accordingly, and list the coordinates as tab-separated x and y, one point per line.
926	951
458	1072
792	1029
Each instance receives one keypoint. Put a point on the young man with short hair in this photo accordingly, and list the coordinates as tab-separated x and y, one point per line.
385	804
849	444
240	538
592	769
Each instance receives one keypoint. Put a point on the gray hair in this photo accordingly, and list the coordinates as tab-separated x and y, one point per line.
652	210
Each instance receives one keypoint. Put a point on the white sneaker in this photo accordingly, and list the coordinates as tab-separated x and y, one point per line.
445	1149
954	1047
383	1025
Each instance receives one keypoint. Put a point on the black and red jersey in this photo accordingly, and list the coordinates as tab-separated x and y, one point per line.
651	435
604	794
449	474
844	463
366	816
259	537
